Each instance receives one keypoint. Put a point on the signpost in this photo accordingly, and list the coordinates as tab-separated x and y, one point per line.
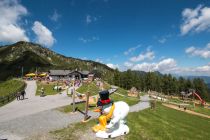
86	117
73	98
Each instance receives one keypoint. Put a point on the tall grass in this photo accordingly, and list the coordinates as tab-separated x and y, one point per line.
11	86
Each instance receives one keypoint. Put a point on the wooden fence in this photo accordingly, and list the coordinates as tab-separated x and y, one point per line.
8	98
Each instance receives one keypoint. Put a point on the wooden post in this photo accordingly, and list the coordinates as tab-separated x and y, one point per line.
67	91
57	86
193	99
86	106
73	99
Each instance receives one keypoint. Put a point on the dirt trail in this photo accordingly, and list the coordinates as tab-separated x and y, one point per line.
187	111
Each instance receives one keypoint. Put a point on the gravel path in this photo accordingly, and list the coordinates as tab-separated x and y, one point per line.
32	104
143	104
35	115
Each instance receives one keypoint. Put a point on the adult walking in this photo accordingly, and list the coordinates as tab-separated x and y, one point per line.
18	95
23	94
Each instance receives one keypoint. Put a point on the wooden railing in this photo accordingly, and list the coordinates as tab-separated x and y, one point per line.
8	98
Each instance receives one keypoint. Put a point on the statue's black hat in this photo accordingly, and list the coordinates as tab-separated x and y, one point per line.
104	98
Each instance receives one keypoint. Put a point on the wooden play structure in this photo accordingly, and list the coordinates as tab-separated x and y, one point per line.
100	84
93	99
85	113
133	92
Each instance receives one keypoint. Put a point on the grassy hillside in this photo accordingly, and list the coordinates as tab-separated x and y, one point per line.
31	56
11	86
94	90
160	124
91	87
165	123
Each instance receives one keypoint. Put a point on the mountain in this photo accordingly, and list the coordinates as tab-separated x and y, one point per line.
205	78
31	56
143	72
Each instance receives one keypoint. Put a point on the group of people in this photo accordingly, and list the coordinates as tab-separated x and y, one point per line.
21	95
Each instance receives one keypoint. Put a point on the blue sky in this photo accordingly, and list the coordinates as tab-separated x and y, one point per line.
168	36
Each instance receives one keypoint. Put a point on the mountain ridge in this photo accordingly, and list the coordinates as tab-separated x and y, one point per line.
31	56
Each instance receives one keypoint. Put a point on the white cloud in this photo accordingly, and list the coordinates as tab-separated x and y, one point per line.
190	49
169	65
203	69
145	67
150	55
195	20
84	58
162	57
164	66
11	13
201	52
130	50
99	60
162	40
113	66
199	71
89	19
88	40
44	35
128	64
208	46
55	16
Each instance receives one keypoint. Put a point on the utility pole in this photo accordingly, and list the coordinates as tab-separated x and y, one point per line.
86	106
22	72
36	71
73	98
193	98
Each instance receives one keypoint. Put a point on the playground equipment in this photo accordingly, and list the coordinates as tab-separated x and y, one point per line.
93	99
192	92
158	98
86	116
133	92
201	100
113	112
184	94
